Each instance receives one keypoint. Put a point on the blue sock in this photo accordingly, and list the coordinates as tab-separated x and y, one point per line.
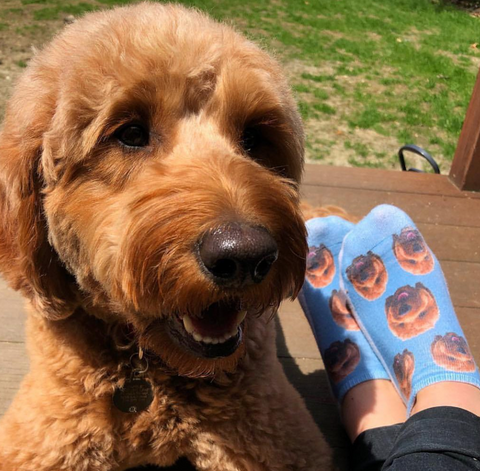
400	299
349	359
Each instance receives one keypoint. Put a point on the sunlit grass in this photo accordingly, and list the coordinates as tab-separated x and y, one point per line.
403	69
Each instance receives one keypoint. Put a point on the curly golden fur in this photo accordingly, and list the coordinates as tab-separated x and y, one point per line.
130	137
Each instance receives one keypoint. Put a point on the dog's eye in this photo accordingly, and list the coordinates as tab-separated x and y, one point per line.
250	139
132	135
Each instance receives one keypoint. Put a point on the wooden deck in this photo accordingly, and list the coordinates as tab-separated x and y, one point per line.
449	220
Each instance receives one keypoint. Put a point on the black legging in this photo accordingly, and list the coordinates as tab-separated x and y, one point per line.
437	439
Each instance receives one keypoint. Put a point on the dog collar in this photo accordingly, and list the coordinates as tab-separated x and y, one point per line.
136	393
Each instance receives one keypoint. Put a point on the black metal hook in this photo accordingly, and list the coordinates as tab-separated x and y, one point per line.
422	153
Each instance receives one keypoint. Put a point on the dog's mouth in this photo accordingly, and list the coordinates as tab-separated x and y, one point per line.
217	332
415	240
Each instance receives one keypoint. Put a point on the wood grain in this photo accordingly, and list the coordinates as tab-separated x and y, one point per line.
465	170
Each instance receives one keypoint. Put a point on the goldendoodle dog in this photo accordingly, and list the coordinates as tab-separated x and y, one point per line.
149	165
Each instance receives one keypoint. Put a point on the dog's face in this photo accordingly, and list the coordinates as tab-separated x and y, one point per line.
412	252
341	358
320	266
149	176
452	353
368	276
341	312
403	367
411	311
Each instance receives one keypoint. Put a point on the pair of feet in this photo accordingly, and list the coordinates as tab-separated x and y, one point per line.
378	305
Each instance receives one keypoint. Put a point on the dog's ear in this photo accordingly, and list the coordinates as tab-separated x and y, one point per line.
388	303
27	260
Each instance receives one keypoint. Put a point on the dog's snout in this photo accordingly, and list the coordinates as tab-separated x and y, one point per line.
236	254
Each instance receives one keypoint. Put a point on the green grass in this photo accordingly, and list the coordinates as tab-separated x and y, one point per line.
52	13
389	71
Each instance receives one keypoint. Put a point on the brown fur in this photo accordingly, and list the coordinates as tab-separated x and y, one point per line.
403	367
341	312
452	353
310	212
368	275
98	236
411	311
412	252
341	358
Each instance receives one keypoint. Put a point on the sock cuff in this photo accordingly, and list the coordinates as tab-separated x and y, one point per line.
468	378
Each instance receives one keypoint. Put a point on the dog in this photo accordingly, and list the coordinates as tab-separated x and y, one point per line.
341	312
341	358
411	311
320	266
368	275
149	167
452	353
403	367
412	252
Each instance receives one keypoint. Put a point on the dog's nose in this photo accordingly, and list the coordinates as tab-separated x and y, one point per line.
236	254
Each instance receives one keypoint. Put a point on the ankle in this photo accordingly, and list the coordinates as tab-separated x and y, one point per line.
369	405
449	393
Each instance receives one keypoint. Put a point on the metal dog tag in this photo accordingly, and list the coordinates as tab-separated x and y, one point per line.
135	396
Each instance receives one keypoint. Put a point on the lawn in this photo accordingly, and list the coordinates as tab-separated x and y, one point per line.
368	75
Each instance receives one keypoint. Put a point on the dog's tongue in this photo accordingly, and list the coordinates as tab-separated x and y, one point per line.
411	235
360	264
218	320
403	295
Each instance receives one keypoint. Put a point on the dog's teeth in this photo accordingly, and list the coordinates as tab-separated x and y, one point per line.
189	327
240	317
187	323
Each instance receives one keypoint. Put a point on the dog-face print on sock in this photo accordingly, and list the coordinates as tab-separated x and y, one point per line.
320	266
340	359
341	312
403	367
452	353
368	276
412	252
411	311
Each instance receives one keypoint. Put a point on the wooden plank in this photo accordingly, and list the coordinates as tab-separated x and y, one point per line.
463	282
294	336
430	209
13	367
12	314
453	243
469	320
382	180
465	170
